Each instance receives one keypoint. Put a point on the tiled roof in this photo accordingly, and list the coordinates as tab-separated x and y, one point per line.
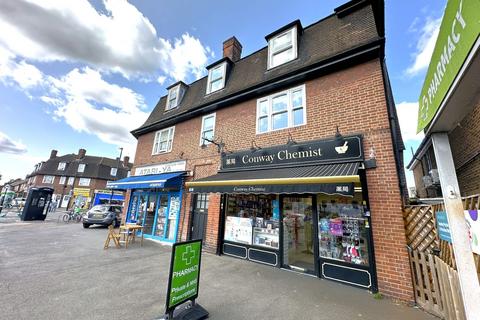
95	167
320	41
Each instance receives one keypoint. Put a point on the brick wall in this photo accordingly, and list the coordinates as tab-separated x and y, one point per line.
353	100
465	145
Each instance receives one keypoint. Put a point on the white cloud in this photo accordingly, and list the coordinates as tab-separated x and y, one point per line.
407	116
161	80
425	45
21	73
8	145
119	39
88	103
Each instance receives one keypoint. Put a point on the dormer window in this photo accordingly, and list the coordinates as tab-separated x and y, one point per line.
216	77
61	166
282	48
175	95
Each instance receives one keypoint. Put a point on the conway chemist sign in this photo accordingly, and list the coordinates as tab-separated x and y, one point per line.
184	273
459	30
347	149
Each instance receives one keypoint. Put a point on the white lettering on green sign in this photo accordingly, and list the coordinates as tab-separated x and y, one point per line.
458	32
185	273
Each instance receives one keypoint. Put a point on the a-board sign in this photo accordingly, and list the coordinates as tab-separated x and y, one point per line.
184	275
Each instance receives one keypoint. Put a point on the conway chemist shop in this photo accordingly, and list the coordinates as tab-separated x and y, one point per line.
300	206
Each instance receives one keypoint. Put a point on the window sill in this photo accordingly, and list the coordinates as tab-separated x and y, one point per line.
277	130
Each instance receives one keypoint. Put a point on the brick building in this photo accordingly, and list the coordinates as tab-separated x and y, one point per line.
77	177
290	156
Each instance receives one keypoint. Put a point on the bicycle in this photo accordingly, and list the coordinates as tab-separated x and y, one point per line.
72	215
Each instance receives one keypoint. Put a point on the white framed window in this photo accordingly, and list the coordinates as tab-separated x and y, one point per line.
62	180
81	167
163	141
61	166
48	179
113	172
216	78
174	96
282	110
70	181
208	128
84	182
282	48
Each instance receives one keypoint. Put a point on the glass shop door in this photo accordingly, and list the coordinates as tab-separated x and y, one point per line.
298	233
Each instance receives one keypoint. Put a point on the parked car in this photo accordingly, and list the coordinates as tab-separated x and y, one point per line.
103	214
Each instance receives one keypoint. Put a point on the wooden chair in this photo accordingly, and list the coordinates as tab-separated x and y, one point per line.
112	236
128	235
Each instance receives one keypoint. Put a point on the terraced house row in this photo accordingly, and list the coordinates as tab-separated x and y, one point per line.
290	156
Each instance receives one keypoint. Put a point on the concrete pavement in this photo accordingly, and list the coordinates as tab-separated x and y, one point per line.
52	270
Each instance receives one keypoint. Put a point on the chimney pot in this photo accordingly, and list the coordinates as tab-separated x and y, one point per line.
81	153
232	49
53	154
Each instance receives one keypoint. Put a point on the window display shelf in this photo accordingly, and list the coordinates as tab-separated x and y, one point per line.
266	237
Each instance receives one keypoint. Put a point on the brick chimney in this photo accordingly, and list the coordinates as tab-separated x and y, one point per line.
232	49
81	153
126	159
53	154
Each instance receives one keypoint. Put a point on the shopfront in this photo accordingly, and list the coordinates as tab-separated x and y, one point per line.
301	207
155	199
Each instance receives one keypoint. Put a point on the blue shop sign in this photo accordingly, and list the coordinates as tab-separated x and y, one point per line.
443	227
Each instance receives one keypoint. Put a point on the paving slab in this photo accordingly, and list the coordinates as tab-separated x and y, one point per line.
51	270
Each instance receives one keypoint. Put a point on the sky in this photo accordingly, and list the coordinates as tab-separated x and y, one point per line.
83	74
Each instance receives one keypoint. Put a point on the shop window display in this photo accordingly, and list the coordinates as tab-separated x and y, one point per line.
343	229
253	220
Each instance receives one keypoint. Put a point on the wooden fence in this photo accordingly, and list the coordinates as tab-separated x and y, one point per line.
436	286
432	261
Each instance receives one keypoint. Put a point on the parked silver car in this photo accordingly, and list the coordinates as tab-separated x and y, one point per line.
103	214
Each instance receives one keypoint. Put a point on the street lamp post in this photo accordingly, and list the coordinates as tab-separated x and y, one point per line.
116	174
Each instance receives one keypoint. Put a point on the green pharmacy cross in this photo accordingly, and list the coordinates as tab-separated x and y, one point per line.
188	255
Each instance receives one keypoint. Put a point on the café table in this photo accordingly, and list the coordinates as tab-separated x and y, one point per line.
131	230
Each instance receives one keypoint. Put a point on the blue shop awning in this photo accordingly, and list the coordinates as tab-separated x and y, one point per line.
165	180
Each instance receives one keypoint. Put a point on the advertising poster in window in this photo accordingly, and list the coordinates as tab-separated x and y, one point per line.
473	224
238	230
174	207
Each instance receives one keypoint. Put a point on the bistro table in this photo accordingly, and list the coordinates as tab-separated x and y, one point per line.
131	229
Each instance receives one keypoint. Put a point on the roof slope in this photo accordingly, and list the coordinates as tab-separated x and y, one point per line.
96	167
324	39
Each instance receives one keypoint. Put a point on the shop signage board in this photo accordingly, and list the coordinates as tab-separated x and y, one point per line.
459	30
473	224
442	226
343	189
159	168
85	192
184	275
347	149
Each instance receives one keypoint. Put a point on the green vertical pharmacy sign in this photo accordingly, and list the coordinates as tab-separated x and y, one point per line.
459	30
184	273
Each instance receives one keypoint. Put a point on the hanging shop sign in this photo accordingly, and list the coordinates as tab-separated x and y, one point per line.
184	277
473	224
158	168
346	149
443	227
459	30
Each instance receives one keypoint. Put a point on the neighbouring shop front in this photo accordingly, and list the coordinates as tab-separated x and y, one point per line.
155	198
300	206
